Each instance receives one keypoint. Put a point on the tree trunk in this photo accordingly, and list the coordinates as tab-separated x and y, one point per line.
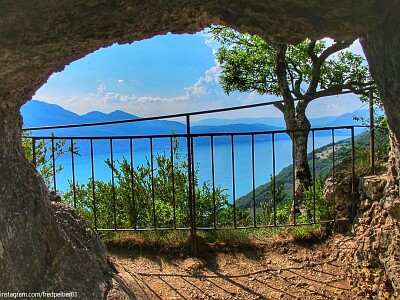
301	167
297	122
43	246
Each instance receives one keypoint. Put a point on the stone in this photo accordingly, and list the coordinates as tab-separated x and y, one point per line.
338	193
373	186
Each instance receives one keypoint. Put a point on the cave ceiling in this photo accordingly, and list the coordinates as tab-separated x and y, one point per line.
38	38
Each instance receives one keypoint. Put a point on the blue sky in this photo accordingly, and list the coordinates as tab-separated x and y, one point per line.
163	75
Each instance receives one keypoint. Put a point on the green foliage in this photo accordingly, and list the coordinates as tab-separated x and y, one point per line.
274	194
381	148
155	194
382	142
44	154
249	63
315	204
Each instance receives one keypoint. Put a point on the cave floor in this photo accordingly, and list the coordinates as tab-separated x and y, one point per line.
270	269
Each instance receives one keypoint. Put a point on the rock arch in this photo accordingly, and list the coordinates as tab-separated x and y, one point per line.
40	37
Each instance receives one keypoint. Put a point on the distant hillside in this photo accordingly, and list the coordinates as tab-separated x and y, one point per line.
234	128
279	122
37	113
323	167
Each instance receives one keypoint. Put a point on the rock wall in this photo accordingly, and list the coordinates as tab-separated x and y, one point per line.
378	235
374	259
40	37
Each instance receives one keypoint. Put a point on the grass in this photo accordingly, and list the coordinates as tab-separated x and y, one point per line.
179	241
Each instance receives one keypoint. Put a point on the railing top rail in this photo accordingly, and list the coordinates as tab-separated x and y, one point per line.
204	134
171	116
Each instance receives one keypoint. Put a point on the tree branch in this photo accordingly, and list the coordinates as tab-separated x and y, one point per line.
318	61
354	87
280	106
311	53
296	86
281	66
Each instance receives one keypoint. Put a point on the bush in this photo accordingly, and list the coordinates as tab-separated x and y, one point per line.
155	194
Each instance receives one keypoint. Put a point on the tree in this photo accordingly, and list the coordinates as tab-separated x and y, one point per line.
299	74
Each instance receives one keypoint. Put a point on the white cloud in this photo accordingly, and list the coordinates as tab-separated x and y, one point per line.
101	89
103	97
121	81
207	85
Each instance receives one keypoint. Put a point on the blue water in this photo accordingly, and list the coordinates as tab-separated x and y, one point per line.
226	159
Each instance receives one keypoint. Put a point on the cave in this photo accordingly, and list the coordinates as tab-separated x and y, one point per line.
37	38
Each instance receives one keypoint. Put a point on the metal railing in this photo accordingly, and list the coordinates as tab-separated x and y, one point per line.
188	212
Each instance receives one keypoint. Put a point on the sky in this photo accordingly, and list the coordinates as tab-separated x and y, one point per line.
164	75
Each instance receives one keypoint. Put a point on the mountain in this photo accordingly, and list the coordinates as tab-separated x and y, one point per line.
96	116
279	122
234	128
37	113
270	121
348	119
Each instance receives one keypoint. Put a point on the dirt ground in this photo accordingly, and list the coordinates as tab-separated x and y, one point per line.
271	269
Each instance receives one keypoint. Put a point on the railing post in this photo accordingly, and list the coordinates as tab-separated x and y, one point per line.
53	159
371	133
353	178
73	171
34	151
193	235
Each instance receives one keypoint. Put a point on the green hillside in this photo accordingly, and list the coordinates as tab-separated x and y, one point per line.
323	162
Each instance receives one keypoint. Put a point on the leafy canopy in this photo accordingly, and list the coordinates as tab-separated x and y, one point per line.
304	71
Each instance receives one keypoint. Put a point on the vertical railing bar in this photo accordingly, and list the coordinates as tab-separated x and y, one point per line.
34	152
173	179
253	178
371	133
273	176
333	173
113	184
73	171
213	181
54	164
233	180
93	184
294	179
353	176
133	186
194	183
313	168
193	239
152	184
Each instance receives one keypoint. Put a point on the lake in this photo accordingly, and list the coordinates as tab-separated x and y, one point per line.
223	162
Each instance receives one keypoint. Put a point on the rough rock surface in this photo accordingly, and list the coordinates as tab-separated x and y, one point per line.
81	255
40	37
373	259
43	246
339	197
379	234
